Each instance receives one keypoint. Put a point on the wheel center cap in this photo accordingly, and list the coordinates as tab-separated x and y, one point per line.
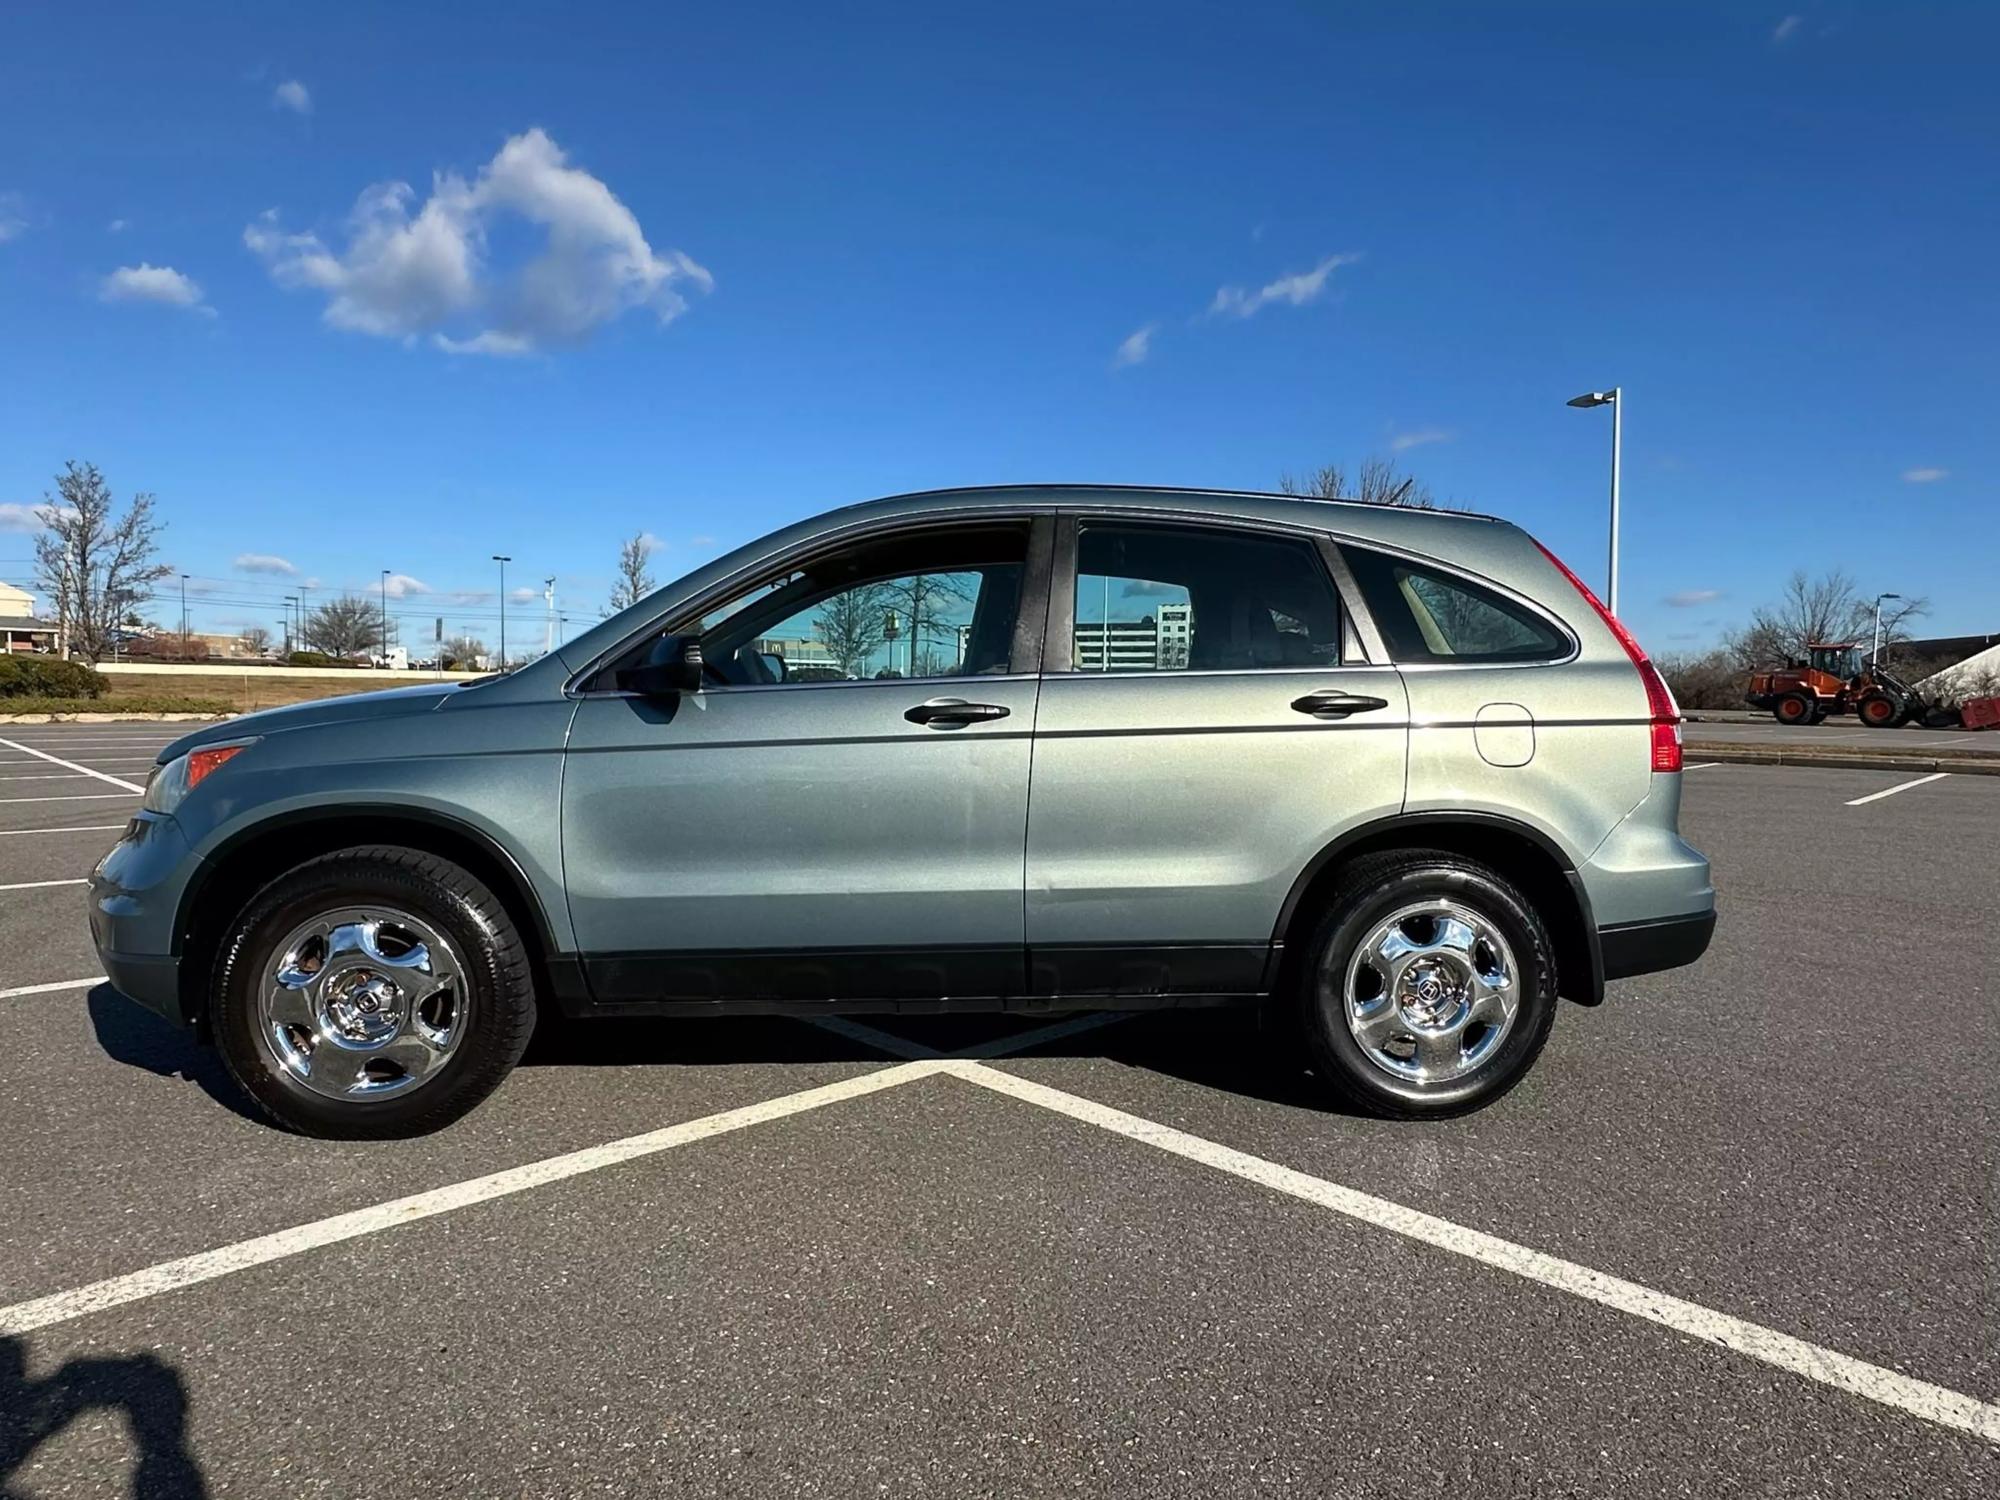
364	1006
1431	993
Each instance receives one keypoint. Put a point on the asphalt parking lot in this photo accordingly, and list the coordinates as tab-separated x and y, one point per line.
1734	1236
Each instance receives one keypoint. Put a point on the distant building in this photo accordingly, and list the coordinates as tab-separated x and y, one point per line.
19	627
1156	642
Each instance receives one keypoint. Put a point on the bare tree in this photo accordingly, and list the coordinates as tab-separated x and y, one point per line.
634	582
257	638
463	651
918	604
345	626
1378	483
1828	608
95	566
850	625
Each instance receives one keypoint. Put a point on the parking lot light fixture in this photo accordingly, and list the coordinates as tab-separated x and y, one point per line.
1876	649
383	654
1615	399
503	561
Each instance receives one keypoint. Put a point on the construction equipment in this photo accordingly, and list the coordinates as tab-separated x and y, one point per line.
1833	680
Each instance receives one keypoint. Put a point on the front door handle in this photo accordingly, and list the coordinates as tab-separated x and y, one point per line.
1334	704
953	713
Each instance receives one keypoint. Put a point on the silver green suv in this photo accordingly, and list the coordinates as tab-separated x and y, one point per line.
1395	774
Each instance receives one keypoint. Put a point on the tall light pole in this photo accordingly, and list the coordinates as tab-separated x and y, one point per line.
1615	399
1877	649
184	616
385	616
292	642
503	561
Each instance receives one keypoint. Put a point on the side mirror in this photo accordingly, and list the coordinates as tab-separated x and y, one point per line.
672	666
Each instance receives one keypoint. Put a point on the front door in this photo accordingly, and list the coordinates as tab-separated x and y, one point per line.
840	814
1207	727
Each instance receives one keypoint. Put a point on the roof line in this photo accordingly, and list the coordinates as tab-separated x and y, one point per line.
1174	489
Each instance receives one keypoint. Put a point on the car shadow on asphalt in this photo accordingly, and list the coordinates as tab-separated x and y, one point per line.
142	1388
1229	1051
133	1035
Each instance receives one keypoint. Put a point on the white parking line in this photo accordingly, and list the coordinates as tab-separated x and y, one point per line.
1902	787
25	1317
21	833
37	885
72	765
1707	765
52	989
1919	1398
84	797
46	776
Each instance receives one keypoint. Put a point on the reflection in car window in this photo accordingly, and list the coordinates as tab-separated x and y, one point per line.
1167	599
936	605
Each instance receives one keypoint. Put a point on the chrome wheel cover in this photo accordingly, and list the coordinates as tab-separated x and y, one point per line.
1431	992
362	1002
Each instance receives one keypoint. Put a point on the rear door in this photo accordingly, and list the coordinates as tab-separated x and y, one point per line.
1208	724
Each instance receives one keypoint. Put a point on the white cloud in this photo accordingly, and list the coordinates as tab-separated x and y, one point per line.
1690	598
292	95
264	562
524	595
1403	442
649	543
13	216
1925	476
118	226
412	269
401	586
1295	290
701	541
17	517
150	283
1135	347
1786	29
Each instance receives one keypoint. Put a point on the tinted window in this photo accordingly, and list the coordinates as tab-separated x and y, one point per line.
1165	599
1427	615
935	604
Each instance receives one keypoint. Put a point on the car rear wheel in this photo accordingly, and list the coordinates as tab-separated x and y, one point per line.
374	992
1429	988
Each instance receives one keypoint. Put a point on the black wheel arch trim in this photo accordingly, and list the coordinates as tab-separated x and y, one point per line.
560	966
1583	950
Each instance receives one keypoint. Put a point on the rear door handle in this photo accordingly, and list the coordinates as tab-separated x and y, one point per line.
953	713
1333	704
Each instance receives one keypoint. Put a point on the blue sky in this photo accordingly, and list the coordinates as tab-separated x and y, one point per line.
698	272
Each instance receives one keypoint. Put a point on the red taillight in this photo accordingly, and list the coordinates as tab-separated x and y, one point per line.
201	762
1660	705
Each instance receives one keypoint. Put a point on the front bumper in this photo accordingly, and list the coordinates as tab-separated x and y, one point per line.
1648	947
134	897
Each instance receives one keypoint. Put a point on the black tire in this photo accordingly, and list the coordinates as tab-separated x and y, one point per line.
1818	716
1880	711
1793	708
1371	890
497	980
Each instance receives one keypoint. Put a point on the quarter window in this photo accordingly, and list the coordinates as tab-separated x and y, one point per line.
1426	615
1169	599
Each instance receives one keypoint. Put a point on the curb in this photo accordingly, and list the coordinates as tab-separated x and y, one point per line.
1741	755
114	718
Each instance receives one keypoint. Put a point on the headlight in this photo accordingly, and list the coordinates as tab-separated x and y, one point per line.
169	785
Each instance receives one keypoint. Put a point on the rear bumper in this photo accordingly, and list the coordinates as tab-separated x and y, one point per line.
1647	947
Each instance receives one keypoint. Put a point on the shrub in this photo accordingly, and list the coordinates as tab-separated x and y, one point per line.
315	659
48	677
1710	681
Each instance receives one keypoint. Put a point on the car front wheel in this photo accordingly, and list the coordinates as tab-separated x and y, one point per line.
1430	988
373	992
